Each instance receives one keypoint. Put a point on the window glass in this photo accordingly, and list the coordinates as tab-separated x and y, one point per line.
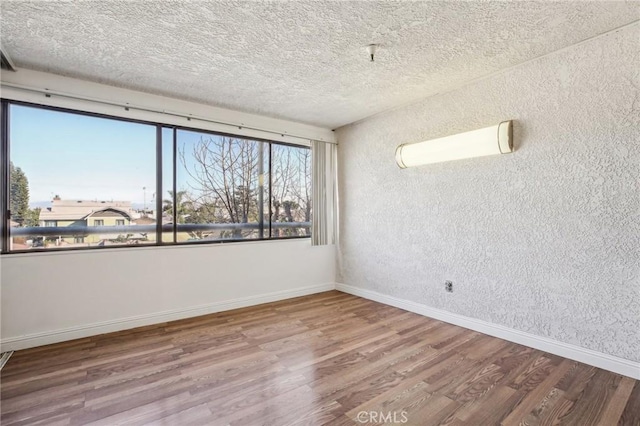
291	191
82	181
220	190
74	177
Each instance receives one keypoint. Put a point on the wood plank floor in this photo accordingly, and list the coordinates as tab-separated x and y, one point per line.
329	358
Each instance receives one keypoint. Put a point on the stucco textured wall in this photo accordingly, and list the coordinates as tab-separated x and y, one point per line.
545	240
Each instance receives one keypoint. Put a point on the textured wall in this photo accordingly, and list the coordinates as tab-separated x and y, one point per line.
545	240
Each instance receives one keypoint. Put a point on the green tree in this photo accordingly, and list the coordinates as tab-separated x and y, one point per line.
188	211
19	194
33	217
182	208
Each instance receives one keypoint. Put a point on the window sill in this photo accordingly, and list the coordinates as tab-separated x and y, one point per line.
195	245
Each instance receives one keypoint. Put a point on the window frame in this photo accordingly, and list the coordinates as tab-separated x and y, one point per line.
5	158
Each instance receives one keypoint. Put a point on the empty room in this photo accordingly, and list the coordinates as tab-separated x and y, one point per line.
320	213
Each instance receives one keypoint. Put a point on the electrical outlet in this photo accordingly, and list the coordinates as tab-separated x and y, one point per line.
448	286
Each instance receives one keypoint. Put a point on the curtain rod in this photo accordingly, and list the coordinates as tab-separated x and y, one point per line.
127	106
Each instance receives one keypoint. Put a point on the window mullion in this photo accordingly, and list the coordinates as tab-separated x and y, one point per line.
174	199
261	190
4	171
159	184
270	190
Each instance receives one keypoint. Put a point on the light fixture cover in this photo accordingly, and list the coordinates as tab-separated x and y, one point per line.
492	140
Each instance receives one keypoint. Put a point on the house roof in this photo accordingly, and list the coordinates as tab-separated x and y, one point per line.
109	212
80	209
144	221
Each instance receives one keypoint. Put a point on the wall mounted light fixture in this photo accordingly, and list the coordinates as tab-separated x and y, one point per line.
492	140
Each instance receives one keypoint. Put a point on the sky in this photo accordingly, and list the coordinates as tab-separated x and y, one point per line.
83	157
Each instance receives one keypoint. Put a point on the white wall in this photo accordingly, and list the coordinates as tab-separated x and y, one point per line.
48	297
57	296
545	240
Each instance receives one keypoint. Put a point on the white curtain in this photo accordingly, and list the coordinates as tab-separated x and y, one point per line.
324	228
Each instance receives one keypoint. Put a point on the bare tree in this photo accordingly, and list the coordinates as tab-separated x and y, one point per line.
302	189
291	187
225	184
223	173
281	174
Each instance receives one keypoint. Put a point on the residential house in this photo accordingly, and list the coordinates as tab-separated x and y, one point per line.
85	213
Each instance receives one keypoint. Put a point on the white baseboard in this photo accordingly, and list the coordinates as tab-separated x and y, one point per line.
4	357
577	353
62	335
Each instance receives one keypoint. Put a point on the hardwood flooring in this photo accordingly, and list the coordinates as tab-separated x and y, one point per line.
329	358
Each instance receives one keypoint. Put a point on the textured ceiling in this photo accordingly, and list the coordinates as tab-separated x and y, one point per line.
304	61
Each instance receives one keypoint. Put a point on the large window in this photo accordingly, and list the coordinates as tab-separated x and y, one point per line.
77	180
221	183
